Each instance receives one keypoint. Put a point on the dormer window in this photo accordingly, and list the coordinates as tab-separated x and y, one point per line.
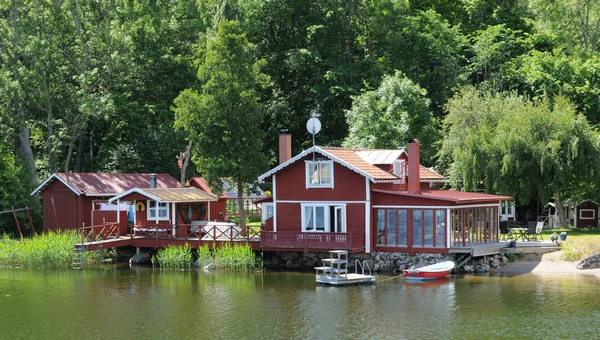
400	169
319	174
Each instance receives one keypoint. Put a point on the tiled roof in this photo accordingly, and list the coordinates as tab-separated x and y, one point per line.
352	157
107	184
356	160
190	194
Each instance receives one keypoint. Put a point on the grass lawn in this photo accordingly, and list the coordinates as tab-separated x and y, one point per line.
580	243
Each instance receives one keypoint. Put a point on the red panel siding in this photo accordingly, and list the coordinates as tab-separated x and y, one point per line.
355	218
291	185
583	223
216	208
60	207
289	217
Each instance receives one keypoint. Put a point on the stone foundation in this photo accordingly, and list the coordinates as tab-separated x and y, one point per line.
381	262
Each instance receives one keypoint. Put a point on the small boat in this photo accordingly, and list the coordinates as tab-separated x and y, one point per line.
431	272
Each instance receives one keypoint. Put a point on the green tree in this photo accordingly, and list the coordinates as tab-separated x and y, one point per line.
527	149
224	117
390	116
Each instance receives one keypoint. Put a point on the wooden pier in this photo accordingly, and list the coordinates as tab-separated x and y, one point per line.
335	271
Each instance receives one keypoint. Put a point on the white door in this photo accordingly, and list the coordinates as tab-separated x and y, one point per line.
338	220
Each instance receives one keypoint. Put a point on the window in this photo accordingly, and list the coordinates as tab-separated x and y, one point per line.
391	227
267	211
319	174
400	169
587	214
158	211
324	218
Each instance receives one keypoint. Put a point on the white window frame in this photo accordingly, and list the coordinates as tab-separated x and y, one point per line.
157	207
399	169
587	218
265	211
309	184
326	207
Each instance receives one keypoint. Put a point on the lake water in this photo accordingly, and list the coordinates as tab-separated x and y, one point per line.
146	303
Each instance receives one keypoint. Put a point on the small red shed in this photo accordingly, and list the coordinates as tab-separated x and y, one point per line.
68	198
586	214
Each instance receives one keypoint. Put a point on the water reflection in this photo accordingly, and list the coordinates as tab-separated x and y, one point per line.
150	303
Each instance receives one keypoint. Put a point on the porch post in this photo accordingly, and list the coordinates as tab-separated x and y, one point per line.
208	212
119	211
448	228
367	216
173	218
274	203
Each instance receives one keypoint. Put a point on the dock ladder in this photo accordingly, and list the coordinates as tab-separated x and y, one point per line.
77	257
364	264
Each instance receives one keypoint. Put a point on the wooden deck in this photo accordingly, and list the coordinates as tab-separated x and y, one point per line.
502	247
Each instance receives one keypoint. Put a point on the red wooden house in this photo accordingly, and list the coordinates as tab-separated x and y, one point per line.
72	200
370	200
586	214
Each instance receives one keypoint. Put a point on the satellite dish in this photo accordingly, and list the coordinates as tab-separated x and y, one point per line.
313	125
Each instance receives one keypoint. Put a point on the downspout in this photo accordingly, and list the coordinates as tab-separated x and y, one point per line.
367	216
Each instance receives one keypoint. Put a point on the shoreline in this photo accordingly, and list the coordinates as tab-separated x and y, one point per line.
549	263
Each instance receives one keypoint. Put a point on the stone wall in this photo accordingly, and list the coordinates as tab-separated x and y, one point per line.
382	262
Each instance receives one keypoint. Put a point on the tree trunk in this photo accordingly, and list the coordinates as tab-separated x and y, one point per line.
79	159
562	222
185	162
25	147
50	119
69	154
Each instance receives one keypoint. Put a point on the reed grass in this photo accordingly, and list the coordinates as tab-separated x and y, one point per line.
174	257
236	257
48	250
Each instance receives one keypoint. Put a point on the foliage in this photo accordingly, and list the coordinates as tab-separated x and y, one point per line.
224	118
518	147
390	116
174	257
230	257
49	250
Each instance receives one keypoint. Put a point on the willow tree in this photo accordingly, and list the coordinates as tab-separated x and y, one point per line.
223	116
514	146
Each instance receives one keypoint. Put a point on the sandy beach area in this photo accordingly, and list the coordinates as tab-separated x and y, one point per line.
549	263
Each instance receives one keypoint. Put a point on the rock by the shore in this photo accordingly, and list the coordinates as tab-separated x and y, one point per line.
590	262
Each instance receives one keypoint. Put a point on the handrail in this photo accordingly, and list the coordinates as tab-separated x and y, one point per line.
362	266
99	232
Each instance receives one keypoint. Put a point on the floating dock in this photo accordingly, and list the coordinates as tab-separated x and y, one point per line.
335	270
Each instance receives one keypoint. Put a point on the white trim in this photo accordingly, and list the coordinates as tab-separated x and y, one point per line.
275	203
61	180
323	202
367	216
587	218
135	190
301	155
118	212
308	183
157	206
433	206
448	228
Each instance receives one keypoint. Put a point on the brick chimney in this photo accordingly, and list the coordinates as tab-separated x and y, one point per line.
414	165
285	146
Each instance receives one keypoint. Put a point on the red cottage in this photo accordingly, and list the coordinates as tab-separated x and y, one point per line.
371	200
72	200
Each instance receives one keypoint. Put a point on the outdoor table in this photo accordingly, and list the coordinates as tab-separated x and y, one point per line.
519	233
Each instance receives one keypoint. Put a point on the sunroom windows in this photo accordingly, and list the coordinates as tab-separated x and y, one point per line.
319	174
323	218
411	227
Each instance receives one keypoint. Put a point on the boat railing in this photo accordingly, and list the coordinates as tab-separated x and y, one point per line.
362	266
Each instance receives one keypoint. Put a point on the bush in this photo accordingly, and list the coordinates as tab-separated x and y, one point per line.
253	219
49	250
174	257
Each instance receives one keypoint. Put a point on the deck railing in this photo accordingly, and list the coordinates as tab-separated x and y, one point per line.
192	232
270	239
100	232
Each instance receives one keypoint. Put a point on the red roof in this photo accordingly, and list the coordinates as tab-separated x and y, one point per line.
107	184
451	196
